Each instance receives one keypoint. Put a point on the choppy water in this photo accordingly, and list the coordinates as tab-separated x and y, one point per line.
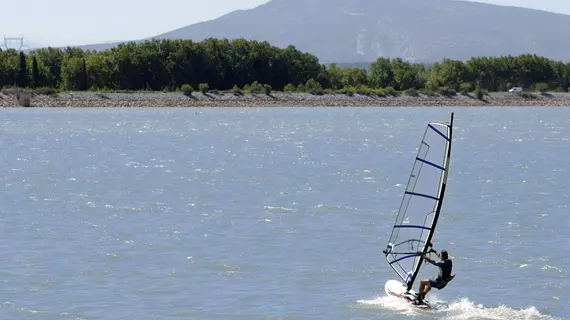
277	213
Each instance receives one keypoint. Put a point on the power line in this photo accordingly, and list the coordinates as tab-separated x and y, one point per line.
19	43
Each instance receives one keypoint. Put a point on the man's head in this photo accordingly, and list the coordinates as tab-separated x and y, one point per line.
444	255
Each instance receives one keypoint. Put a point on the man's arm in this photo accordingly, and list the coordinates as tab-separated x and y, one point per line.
438	254
430	260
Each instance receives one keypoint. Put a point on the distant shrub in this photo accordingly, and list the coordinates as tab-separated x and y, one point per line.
246	88
237	91
313	86
380	92
541	87
364	90
427	92
187	89
527	95
349	91
390	91
411	92
301	88
447	91
465	88
45	91
289	88
267	89
101	95
479	93
256	87
204	87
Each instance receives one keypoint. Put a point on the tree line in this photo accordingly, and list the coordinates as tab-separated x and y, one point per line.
222	64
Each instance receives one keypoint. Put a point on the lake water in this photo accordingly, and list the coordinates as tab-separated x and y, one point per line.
277	213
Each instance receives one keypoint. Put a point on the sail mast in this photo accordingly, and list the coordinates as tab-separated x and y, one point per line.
439	204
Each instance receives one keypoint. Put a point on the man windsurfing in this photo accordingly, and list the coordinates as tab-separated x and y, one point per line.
444	276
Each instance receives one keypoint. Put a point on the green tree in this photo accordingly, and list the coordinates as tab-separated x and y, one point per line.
335	77
99	69
381	73
22	80
452	73
223	64
353	77
35	72
72	75
432	81
52	59
9	67
405	77
84	79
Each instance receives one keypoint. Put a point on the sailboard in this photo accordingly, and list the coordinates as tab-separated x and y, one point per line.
419	210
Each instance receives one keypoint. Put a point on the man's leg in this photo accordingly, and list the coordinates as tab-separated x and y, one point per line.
425	287
426	290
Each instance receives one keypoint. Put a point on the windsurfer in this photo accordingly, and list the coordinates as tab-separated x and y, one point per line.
445	267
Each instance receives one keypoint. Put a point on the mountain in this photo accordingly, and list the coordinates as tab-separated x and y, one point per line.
32	45
356	31
418	30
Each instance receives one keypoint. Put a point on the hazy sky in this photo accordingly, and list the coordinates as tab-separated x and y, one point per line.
71	22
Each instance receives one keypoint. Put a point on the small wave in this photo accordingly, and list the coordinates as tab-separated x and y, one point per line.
462	309
21	309
324	206
277	209
465	309
548	267
391	303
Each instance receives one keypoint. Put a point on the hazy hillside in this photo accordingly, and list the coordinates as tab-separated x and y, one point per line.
348	31
361	30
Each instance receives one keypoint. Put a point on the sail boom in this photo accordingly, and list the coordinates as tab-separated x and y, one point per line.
405	257
409	226
422	195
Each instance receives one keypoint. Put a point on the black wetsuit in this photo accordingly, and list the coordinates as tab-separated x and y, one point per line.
444	275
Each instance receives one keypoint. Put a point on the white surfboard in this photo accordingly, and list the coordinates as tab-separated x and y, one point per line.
398	289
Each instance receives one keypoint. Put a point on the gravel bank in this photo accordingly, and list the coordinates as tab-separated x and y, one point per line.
175	99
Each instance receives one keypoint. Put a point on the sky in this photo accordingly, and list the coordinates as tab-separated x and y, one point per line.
69	22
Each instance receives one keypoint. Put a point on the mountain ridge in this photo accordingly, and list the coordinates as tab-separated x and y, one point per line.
351	31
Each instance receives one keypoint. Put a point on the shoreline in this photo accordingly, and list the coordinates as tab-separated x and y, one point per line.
277	99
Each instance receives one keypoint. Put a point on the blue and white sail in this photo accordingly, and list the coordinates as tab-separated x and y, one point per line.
421	204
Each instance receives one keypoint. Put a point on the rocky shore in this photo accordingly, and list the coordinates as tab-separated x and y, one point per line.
176	99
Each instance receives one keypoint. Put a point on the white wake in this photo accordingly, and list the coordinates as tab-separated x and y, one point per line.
462	309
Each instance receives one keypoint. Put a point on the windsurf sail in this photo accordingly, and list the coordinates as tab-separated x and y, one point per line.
421	205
